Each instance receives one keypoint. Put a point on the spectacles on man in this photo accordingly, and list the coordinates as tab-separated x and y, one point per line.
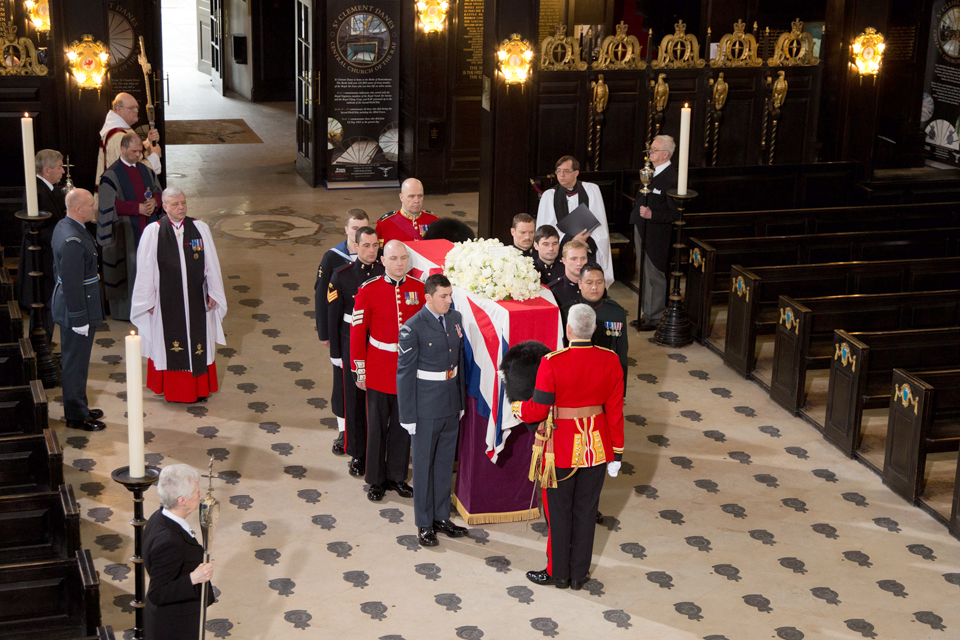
563	172
135	107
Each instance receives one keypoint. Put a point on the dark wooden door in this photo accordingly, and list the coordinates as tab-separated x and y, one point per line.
311	138
217	16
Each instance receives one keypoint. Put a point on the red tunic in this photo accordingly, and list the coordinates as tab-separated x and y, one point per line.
379	309
396	225
581	375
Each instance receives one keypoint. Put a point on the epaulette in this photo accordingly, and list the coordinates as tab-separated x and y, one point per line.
550	355
373	279
415	278
343	267
387	215
605	349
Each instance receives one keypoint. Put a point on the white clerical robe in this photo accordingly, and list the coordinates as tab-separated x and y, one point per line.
600	235
146	295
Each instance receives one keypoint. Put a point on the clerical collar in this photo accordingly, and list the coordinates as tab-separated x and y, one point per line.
128	164
577	342
409	216
395	283
180	521
658	170
46	182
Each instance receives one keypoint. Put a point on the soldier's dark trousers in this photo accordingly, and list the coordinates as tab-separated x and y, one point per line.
572	520
388	444
75	352
336	397
434	449
355	416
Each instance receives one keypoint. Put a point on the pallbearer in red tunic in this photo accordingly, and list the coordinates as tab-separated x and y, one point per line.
409	222
179	304
583	385
381	306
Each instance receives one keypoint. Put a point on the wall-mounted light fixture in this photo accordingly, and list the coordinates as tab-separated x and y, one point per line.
38	12
515	55
868	53
88	62
433	14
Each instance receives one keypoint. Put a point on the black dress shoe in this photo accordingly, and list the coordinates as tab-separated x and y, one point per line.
96	414
577	585
375	494
426	537
87	425
447	527
357	467
402	488
648	326
635	323
338	445
599	518
545	579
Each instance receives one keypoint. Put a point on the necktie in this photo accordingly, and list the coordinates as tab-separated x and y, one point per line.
442	324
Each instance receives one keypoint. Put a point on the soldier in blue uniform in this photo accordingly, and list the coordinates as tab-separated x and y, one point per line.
76	306
431	394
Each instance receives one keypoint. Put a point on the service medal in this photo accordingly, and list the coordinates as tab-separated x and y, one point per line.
412	298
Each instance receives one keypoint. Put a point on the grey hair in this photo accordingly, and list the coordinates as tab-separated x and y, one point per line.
171	192
117	102
175	481
46	159
668	144
582	321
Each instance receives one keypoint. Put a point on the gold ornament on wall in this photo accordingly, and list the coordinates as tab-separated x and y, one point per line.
868	52
88	62
620	52
19	57
515	55
737	49
661	91
38	12
679	51
433	14
560	52
794	49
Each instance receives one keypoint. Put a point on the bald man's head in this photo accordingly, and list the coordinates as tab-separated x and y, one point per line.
125	105
411	196
80	206
395	259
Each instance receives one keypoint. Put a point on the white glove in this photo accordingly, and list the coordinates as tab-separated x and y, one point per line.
613	469
84	330
410	428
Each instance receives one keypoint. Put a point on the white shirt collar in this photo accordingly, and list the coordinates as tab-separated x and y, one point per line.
180	521
127	163
657	171
46	182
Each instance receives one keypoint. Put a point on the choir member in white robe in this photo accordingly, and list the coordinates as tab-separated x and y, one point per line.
181	353
577	193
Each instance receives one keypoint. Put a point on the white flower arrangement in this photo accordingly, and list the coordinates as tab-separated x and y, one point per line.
490	270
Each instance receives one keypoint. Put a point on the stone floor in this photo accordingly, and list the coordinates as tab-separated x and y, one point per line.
731	518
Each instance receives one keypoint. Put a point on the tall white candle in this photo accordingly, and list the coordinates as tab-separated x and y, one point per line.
29	165
135	405
684	150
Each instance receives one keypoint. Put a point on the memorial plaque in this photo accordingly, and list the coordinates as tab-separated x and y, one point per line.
551	14
470	60
901	44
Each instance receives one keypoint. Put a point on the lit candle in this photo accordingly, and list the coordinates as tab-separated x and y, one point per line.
29	165
135	405
684	150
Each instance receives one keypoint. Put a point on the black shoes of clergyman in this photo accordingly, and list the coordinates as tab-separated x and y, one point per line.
87	425
338	445
402	488
357	467
375	493
96	414
648	326
447	527
545	579
426	537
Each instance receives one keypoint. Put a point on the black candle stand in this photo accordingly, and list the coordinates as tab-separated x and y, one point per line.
137	486
674	329
48	369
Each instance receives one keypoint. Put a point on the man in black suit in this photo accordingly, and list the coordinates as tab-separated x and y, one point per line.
653	219
174	559
431	394
75	306
49	165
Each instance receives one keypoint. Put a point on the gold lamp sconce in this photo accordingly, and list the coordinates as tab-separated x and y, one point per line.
433	14
515	55
38	12
88	62
868	53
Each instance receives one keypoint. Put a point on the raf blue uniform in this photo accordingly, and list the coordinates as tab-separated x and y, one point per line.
431	393
75	303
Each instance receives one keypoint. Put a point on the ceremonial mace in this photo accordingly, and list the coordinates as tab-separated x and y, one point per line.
147	69
646	177
209	515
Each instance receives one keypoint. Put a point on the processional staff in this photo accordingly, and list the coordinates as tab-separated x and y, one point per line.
209	515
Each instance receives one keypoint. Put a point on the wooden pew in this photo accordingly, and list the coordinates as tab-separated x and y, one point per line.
754	309
861	371
6	286
11	322
30	464
39	526
708	279
52	600
924	418
23	409
18	363
804	331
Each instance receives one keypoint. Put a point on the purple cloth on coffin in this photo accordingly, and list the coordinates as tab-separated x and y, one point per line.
493	492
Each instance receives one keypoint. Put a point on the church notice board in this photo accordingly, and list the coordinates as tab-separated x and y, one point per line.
362	91
940	115
494	448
